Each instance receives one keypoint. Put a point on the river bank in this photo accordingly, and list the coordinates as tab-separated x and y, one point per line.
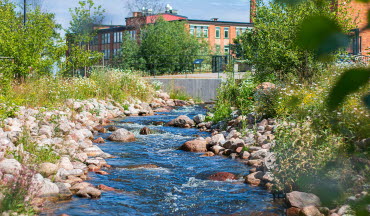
46	151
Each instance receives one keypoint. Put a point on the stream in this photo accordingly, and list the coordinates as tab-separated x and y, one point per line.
179	186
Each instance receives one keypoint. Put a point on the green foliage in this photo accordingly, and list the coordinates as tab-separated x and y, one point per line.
34	47
350	81
129	56
300	153
234	93
272	48
168	46
79	35
84	17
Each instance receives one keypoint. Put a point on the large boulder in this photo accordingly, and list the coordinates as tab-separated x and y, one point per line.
122	135
310	211
195	146
64	192
10	166
199	118
218	139
145	131
181	121
45	187
222	176
254	178
301	199
89	192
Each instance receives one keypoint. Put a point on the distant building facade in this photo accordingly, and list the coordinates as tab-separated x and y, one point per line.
219	34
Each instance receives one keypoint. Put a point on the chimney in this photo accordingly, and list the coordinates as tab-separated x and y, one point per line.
137	14
252	11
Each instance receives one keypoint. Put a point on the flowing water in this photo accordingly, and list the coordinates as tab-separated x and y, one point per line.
178	187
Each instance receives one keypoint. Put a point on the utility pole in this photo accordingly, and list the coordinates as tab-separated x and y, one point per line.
24	12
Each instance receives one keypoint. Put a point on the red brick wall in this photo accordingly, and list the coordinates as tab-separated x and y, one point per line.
359	15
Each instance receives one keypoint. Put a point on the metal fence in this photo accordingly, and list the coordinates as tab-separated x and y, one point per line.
153	65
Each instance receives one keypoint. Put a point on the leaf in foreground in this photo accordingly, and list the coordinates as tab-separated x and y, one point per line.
350	81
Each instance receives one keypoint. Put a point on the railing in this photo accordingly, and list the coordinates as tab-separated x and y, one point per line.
154	65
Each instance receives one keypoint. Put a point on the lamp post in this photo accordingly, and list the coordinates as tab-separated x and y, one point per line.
24	12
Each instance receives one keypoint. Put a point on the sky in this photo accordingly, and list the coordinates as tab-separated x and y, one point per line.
116	10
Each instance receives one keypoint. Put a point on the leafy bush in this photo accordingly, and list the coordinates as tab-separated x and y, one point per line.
234	93
300	153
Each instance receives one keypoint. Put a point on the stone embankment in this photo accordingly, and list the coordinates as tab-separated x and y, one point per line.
253	149
67	135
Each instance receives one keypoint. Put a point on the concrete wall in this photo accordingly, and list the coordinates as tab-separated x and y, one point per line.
204	89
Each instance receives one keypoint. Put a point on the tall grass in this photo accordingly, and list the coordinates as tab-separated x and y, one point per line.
51	91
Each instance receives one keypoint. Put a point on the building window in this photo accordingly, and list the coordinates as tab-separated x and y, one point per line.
199	31
218	32
133	34
226	49
240	30
192	30
106	38
226	32
205	32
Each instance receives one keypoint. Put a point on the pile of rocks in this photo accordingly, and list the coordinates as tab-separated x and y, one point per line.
69	132
252	149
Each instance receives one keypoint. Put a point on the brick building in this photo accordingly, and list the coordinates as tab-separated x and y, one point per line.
360	43
219	34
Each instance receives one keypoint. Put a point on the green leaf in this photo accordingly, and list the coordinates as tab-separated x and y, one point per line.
363	1
321	34
350	81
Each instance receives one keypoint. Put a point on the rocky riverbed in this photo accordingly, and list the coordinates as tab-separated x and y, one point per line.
36	136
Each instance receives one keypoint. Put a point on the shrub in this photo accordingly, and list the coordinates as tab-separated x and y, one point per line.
300	153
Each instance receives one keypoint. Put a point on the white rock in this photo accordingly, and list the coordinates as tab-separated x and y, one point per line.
65	163
10	166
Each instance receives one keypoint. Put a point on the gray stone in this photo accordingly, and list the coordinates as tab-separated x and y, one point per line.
301	199
89	192
217	139
260	154
199	118
64	192
122	135
181	121
310	211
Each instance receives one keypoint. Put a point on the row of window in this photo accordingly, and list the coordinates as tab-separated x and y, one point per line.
202	31
107	53
117	37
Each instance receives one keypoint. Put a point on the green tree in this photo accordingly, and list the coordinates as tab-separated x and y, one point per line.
273	47
34	47
128	57
81	33
168	47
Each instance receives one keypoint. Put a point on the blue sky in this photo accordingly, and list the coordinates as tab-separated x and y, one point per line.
227	10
